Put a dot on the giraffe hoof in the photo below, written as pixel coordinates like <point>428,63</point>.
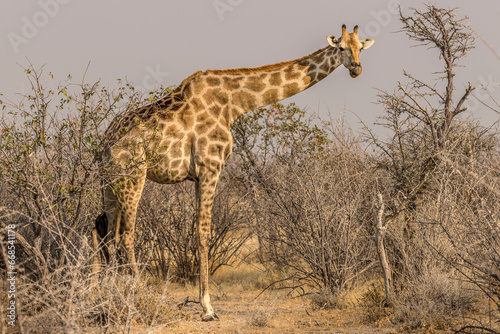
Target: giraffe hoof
<point>210,317</point>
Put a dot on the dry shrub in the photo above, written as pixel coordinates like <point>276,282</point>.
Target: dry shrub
<point>314,221</point>
<point>374,302</point>
<point>259,318</point>
<point>247,275</point>
<point>128,300</point>
<point>72,300</point>
<point>446,260</point>
<point>433,299</point>
<point>324,300</point>
<point>310,194</point>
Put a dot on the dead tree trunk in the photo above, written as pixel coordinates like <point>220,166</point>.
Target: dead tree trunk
<point>382,255</point>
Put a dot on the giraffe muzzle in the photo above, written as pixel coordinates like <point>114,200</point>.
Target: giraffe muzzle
<point>355,71</point>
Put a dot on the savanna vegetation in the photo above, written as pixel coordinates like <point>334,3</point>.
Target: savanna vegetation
<point>311,218</point>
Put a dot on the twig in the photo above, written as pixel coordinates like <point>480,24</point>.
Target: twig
<point>185,302</point>
<point>379,240</point>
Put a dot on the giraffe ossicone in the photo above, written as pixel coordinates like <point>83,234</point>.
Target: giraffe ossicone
<point>186,136</point>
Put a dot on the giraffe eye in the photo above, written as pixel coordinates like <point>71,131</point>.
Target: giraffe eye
<point>341,48</point>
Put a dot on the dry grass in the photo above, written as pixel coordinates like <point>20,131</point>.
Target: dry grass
<point>242,310</point>
<point>119,303</point>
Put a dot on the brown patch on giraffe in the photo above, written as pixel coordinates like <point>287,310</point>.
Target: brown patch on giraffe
<point>322,75</point>
<point>187,144</point>
<point>186,120</point>
<point>245,100</point>
<point>215,110</point>
<point>175,164</point>
<point>275,79</point>
<point>185,164</point>
<point>162,148</point>
<point>168,117</point>
<point>175,152</point>
<point>226,115</point>
<point>215,150</point>
<point>172,129</point>
<point>198,87</point>
<point>255,84</point>
<point>292,73</point>
<point>215,96</point>
<point>218,134</point>
<point>231,83</point>
<point>197,104</point>
<point>203,127</point>
<point>202,144</point>
<point>325,67</point>
<point>201,118</point>
<point>220,96</point>
<point>271,96</point>
<point>291,89</point>
<point>208,97</point>
<point>213,81</point>
<point>161,127</point>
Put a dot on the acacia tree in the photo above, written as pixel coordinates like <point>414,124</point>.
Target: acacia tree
<point>420,114</point>
<point>422,118</point>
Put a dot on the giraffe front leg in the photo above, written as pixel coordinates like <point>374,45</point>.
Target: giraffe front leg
<point>205,191</point>
<point>128,244</point>
<point>128,199</point>
<point>127,226</point>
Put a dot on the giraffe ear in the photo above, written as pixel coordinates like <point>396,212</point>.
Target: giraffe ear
<point>333,41</point>
<point>366,43</point>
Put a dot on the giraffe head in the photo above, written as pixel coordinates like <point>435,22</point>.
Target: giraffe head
<point>350,46</point>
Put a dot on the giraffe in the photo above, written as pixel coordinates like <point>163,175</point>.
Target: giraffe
<point>186,136</point>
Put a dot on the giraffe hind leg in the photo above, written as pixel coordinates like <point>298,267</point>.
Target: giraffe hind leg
<point>124,226</point>
<point>99,234</point>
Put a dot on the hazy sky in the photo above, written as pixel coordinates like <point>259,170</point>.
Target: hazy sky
<point>156,42</point>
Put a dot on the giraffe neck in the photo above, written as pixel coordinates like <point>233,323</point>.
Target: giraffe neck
<point>233,92</point>
<point>238,91</point>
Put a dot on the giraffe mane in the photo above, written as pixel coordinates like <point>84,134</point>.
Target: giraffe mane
<point>244,70</point>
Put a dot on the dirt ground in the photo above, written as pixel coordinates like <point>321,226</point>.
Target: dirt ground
<point>242,313</point>
<point>236,300</point>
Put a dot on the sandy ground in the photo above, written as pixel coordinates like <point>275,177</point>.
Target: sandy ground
<point>241,311</point>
